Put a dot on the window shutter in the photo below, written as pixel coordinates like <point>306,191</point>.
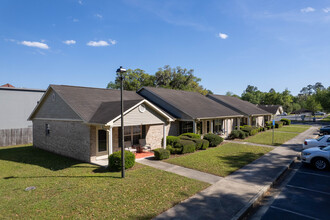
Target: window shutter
<point>119,137</point>
<point>143,131</point>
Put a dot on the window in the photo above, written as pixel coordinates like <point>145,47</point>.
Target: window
<point>47,129</point>
<point>186,127</point>
<point>217,126</point>
<point>132,134</point>
<point>102,140</point>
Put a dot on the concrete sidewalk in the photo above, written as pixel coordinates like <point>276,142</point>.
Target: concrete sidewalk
<point>190,173</point>
<point>233,195</point>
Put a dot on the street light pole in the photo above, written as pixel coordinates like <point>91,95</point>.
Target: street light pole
<point>121,70</point>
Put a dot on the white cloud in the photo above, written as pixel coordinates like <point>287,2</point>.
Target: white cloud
<point>112,42</point>
<point>99,16</point>
<point>69,42</point>
<point>326,10</point>
<point>223,36</point>
<point>35,44</point>
<point>75,20</point>
<point>306,10</point>
<point>100,43</point>
<point>80,2</point>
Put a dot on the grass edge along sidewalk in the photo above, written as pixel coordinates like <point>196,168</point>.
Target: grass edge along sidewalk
<point>279,137</point>
<point>143,194</point>
<point>221,160</point>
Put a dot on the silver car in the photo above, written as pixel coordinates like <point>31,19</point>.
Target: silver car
<point>317,156</point>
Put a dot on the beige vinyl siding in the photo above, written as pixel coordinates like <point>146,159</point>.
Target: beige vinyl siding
<point>53,106</point>
<point>135,117</point>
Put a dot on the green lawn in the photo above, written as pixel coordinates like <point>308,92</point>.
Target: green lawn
<point>66,188</point>
<point>221,160</point>
<point>266,138</point>
<point>294,128</point>
<point>327,119</point>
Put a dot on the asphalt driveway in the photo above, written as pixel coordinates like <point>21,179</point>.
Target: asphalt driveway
<point>305,196</point>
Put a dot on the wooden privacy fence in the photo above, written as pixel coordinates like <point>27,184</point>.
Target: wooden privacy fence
<point>15,136</point>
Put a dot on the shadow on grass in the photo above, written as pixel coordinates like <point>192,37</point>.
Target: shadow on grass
<point>35,156</point>
<point>36,177</point>
<point>238,161</point>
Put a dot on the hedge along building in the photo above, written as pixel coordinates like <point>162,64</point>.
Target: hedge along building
<point>193,112</point>
<point>252,114</point>
<point>83,123</point>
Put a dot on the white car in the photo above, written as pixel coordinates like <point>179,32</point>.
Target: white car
<point>319,113</point>
<point>320,142</point>
<point>317,156</point>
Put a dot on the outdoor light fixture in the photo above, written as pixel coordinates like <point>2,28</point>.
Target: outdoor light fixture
<point>121,70</point>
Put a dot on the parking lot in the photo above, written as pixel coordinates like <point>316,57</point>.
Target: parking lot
<point>306,195</point>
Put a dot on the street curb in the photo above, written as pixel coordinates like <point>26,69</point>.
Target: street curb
<point>254,201</point>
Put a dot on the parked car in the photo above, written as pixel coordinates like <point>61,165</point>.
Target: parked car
<point>317,156</point>
<point>319,113</point>
<point>325,130</point>
<point>320,142</point>
<point>284,114</point>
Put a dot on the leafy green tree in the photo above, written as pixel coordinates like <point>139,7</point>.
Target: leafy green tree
<point>312,104</point>
<point>229,93</point>
<point>166,77</point>
<point>323,96</point>
<point>134,79</point>
<point>253,95</point>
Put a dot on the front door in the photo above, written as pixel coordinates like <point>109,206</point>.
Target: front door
<point>102,141</point>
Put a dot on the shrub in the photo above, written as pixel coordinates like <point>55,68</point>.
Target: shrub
<point>173,150</point>
<point>188,148</point>
<point>286,121</point>
<point>234,134</point>
<point>250,130</point>
<point>242,134</point>
<point>185,138</point>
<point>171,140</point>
<point>161,154</point>
<point>198,143</point>
<point>213,139</point>
<point>115,160</point>
<point>205,144</point>
<point>183,146</point>
<point>269,124</point>
<point>278,124</point>
<point>191,135</point>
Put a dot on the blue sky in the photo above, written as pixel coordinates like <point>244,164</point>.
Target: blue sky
<point>230,44</point>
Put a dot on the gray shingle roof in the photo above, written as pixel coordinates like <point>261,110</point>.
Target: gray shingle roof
<point>193,104</point>
<point>237,104</point>
<point>91,104</point>
<point>269,108</point>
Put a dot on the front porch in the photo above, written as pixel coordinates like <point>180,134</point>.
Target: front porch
<point>138,139</point>
<point>219,126</point>
<point>103,160</point>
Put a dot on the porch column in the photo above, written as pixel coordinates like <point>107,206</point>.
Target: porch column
<point>211,128</point>
<point>249,120</point>
<point>164,135</point>
<point>238,123</point>
<point>110,140</point>
<point>194,126</point>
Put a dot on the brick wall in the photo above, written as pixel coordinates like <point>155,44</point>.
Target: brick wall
<point>154,135</point>
<point>71,139</point>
